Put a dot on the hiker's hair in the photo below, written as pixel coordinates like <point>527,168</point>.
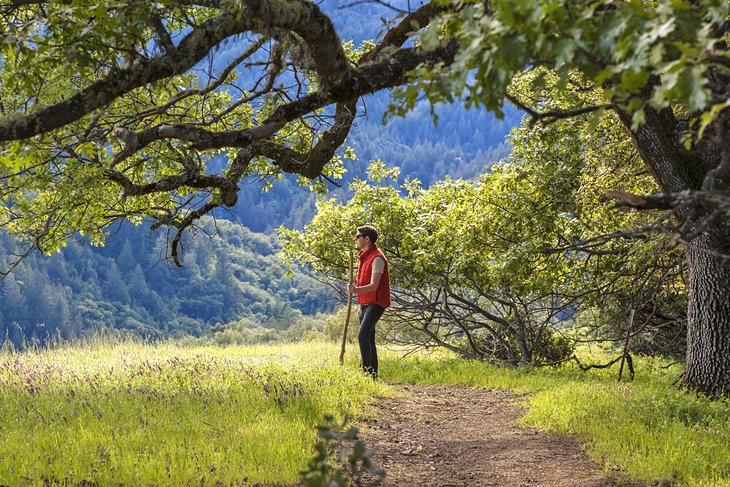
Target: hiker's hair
<point>369,231</point>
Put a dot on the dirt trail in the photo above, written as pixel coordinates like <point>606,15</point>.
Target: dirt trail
<point>458,436</point>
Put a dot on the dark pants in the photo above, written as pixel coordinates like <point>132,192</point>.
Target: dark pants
<point>369,314</point>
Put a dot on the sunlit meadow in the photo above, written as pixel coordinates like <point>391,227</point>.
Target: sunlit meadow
<point>162,414</point>
<point>135,414</point>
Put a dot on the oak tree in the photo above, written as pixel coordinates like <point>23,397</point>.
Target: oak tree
<point>663,67</point>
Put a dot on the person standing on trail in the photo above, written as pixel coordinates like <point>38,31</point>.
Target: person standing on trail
<point>373,294</point>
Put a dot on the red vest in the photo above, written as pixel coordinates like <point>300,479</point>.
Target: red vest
<point>381,296</point>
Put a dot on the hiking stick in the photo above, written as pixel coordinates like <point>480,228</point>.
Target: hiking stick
<point>625,354</point>
<point>347,318</point>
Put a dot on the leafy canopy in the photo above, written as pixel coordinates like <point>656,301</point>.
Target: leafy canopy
<point>665,47</point>
<point>138,109</point>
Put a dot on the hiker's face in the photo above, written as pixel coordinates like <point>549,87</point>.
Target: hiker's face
<point>360,240</point>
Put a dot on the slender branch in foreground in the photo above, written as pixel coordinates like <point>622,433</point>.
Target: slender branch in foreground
<point>553,116</point>
<point>586,368</point>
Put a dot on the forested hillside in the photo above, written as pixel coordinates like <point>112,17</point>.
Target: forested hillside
<point>128,285</point>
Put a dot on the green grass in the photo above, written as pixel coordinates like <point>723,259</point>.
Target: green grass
<point>133,414</point>
<point>647,428</point>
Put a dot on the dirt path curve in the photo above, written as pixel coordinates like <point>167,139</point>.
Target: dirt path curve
<point>458,436</point>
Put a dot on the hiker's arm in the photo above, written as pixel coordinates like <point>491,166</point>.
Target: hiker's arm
<point>374,281</point>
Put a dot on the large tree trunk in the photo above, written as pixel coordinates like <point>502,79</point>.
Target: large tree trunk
<point>676,169</point>
<point>708,327</point>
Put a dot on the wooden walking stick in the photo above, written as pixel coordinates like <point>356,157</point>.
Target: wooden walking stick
<point>347,318</point>
<point>625,354</point>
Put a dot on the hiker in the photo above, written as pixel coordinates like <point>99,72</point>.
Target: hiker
<point>373,294</point>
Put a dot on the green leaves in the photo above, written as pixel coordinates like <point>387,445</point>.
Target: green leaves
<point>669,45</point>
<point>340,458</point>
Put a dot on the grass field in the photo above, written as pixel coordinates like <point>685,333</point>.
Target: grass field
<point>133,414</point>
<point>140,414</point>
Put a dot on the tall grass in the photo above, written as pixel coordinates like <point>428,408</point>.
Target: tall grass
<point>135,414</point>
<point>646,428</point>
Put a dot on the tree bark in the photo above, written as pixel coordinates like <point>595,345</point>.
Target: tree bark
<point>708,328</point>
